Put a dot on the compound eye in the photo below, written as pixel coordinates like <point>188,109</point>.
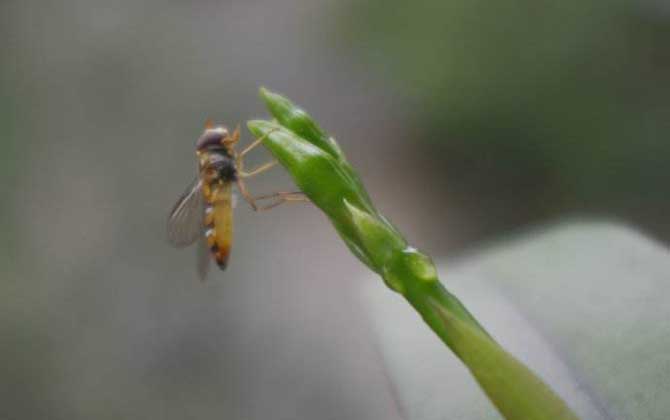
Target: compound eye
<point>212,137</point>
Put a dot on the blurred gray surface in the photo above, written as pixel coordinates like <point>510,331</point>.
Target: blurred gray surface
<point>587,306</point>
<point>101,319</point>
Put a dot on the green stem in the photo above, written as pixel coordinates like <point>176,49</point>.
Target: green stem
<point>426,297</point>
<point>321,171</point>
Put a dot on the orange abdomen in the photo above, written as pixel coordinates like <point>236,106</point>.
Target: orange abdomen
<point>219,220</point>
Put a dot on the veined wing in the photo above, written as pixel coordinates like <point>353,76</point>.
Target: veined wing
<point>185,223</point>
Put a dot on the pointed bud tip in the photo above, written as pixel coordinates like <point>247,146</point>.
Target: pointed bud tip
<point>255,126</point>
<point>261,125</point>
<point>353,210</point>
<point>271,97</point>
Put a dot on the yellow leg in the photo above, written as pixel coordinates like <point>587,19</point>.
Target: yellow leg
<point>255,143</point>
<point>257,171</point>
<point>239,161</point>
<point>245,194</point>
<point>281,197</point>
<point>250,147</point>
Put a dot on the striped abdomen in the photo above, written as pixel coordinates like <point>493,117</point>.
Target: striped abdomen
<point>219,220</point>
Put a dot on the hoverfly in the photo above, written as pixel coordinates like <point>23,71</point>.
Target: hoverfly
<point>205,211</point>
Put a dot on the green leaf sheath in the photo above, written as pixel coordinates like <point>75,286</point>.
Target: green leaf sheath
<point>321,171</point>
<point>514,389</point>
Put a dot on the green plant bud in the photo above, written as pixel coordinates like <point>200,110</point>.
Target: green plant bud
<point>315,171</point>
<point>303,125</point>
<point>298,121</point>
<point>321,171</point>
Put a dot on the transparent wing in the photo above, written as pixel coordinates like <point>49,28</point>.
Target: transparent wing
<point>203,256</point>
<point>185,223</point>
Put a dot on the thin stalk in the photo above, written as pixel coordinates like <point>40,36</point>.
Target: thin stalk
<point>320,169</point>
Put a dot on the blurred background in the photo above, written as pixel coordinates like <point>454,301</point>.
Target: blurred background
<point>467,119</point>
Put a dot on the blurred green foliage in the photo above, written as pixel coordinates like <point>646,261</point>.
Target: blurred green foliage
<point>559,105</point>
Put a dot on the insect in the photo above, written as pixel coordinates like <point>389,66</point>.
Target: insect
<point>204,212</point>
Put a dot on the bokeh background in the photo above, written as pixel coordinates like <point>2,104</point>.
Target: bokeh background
<point>467,119</point>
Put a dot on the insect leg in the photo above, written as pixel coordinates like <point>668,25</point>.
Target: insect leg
<point>281,197</point>
<point>239,161</point>
<point>245,194</point>
<point>257,171</point>
<point>255,143</point>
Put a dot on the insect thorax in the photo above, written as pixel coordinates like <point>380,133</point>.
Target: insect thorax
<point>218,165</point>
